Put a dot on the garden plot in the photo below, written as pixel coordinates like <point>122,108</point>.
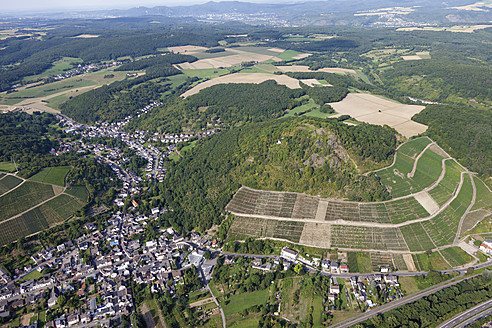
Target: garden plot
<point>380,259</point>
<point>244,78</point>
<point>399,262</point>
<point>377,110</point>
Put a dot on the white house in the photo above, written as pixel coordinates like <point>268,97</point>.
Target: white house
<point>289,254</point>
<point>486,246</point>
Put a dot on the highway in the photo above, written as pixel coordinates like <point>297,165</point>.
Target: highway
<point>469,316</point>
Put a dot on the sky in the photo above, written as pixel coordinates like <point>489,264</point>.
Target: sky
<point>27,6</point>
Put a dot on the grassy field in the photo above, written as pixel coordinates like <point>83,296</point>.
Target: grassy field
<point>34,275</point>
<point>359,262</point>
<point>448,185</point>
<point>437,262</point>
<point>8,182</point>
<point>484,196</point>
<point>395,176</point>
<point>23,198</point>
<point>239,302</point>
<point>303,109</point>
<point>456,256</point>
<point>208,73</point>
<point>288,54</point>
<point>60,66</point>
<point>52,175</point>
<point>409,285</point>
<point>421,262</point>
<point>7,166</point>
<point>78,191</point>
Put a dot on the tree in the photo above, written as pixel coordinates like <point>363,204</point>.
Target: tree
<point>207,255</point>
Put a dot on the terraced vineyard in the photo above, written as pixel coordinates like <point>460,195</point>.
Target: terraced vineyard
<point>303,207</point>
<point>426,214</point>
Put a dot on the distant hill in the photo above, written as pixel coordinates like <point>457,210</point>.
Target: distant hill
<point>337,12</point>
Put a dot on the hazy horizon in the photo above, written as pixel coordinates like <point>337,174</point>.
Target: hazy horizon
<point>26,6</point>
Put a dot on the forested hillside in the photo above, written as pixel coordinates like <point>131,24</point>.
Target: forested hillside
<point>466,133</point>
<point>223,103</point>
<point>305,155</point>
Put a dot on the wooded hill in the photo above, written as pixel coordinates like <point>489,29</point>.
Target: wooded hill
<point>297,154</point>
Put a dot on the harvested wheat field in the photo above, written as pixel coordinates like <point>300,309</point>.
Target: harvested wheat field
<point>244,78</point>
<point>187,49</point>
<point>303,68</point>
<point>239,56</point>
<point>314,82</point>
<point>377,110</point>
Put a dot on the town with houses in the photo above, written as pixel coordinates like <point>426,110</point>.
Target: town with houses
<point>99,266</point>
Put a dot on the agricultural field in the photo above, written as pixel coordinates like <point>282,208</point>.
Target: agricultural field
<point>371,238</point>
<point>401,179</point>
<point>244,78</point>
<point>244,227</point>
<point>7,167</point>
<point>416,237</point>
<point>39,218</point>
<point>302,68</point>
<point>26,224</point>
<point>484,195</point>
<point>233,57</point>
<point>304,207</point>
<point>78,191</point>
<point>60,208</point>
<point>28,195</point>
<point>442,228</point>
<point>380,111</point>
<point>8,182</point>
<point>449,184</point>
<point>52,175</point>
<point>455,256</point>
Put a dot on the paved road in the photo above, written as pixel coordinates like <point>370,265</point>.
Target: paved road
<point>469,316</point>
<point>395,304</point>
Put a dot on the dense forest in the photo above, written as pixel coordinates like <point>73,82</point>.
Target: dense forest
<point>23,136</point>
<point>159,60</point>
<point>250,103</point>
<point>466,133</point>
<point>297,154</point>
